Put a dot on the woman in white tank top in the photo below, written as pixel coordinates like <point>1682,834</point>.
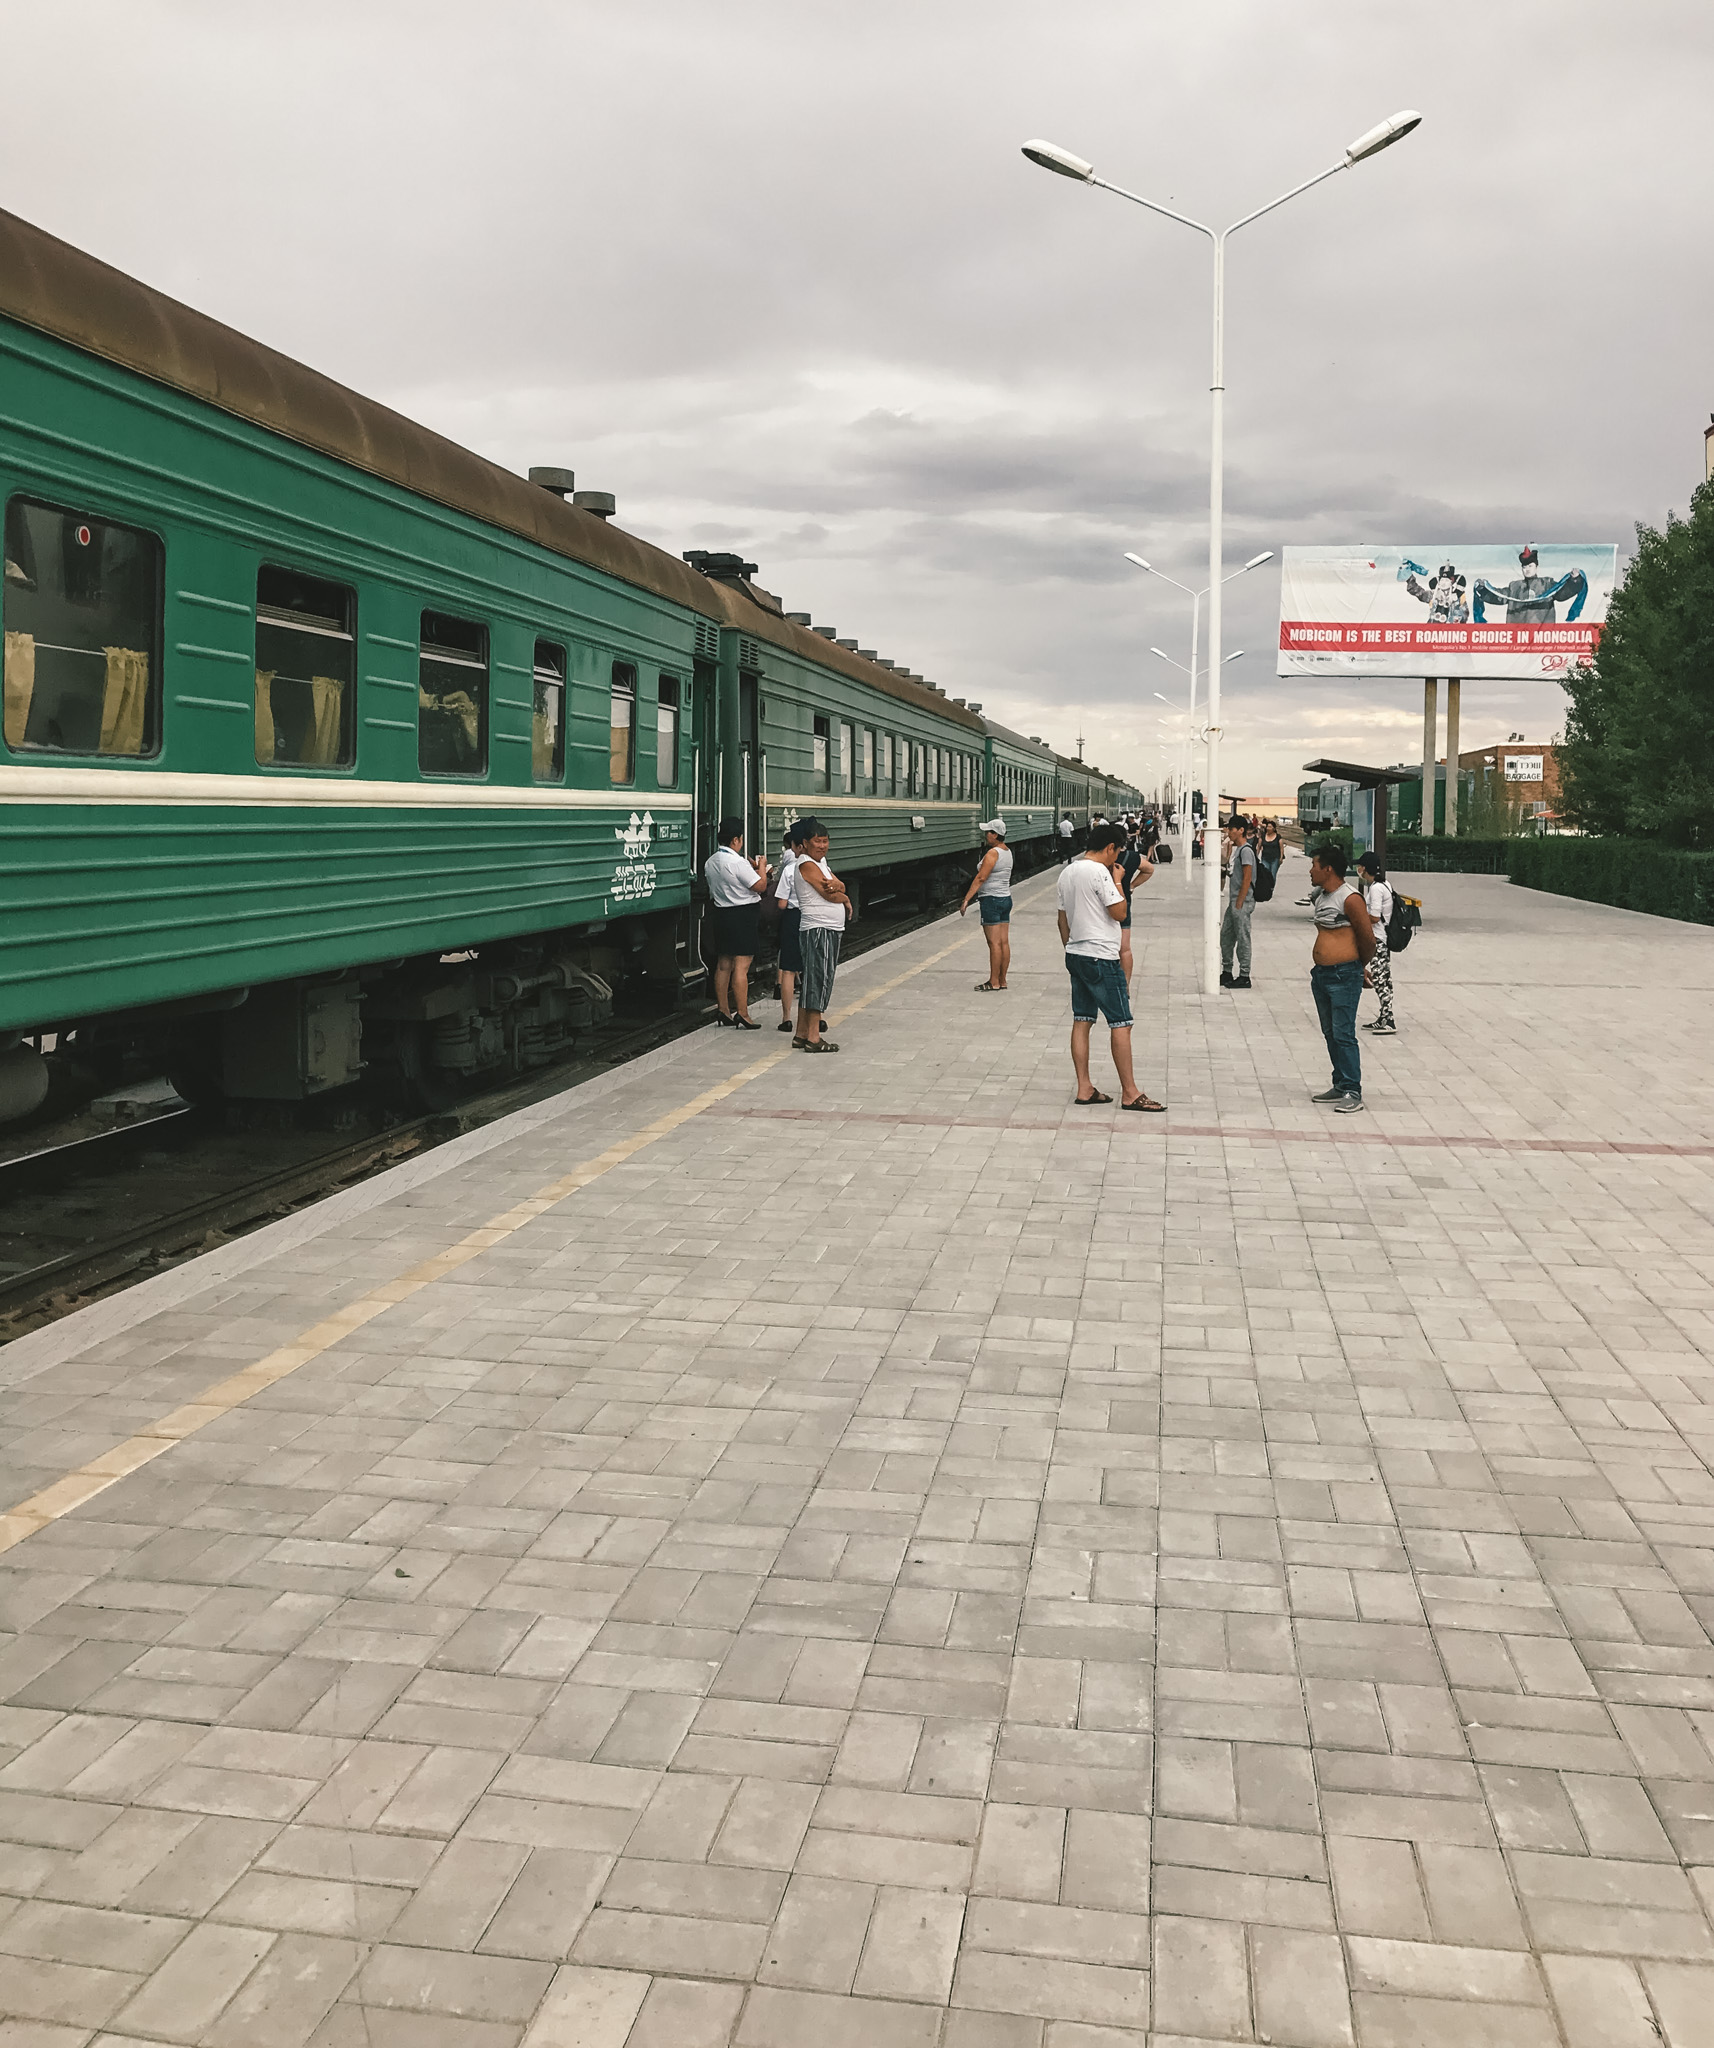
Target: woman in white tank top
<point>991,890</point>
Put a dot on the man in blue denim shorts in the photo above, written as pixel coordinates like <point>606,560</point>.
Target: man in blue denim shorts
<point>1091,909</point>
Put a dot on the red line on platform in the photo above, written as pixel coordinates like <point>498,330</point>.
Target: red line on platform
<point>1235,1133</point>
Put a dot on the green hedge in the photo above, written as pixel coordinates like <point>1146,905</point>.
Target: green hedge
<point>1408,853</point>
<point>1633,874</point>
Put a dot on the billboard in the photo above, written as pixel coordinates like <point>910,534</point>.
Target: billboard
<point>1504,609</point>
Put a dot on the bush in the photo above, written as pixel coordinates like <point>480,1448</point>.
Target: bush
<point>1633,874</point>
<point>1410,854</point>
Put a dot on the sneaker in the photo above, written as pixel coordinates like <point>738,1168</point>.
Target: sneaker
<point>1347,1103</point>
<point>1382,1030</point>
<point>1243,981</point>
<point>1329,1095</point>
<point>1306,903</point>
<point>1226,977</point>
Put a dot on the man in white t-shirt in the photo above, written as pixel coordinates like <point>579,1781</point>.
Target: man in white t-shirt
<point>1091,909</point>
<point>1065,828</point>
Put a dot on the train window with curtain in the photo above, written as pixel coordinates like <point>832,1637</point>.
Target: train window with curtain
<point>306,671</point>
<point>452,697</point>
<point>622,726</point>
<point>918,780</point>
<point>869,759</point>
<point>81,601</point>
<point>547,720</point>
<point>887,765</point>
<point>819,753</point>
<point>847,761</point>
<point>666,733</point>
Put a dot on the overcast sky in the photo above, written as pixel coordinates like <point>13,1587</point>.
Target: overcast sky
<point>776,274</point>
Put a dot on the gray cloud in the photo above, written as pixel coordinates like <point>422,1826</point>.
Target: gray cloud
<point>778,277</point>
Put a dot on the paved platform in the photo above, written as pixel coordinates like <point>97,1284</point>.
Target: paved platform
<point>859,1553</point>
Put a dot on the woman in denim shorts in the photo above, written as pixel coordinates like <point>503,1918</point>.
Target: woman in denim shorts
<point>991,892</point>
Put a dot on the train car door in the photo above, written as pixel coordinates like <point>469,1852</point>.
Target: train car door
<point>750,748</point>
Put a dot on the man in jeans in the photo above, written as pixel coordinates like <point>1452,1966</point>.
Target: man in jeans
<point>1344,944</point>
<point>1240,902</point>
<point>1091,909</point>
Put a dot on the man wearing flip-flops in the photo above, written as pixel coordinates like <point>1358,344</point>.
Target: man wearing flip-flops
<point>1092,907</point>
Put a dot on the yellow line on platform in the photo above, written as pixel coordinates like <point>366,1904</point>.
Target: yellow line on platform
<point>110,1466</point>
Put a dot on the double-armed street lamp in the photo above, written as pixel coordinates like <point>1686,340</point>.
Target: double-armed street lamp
<point>1061,161</point>
<point>1196,597</point>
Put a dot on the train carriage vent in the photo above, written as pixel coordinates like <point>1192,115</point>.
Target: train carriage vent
<point>749,655</point>
<point>707,640</point>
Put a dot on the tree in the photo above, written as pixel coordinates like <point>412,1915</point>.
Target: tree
<point>1638,754</point>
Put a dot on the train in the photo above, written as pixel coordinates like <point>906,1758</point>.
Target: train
<point>332,751</point>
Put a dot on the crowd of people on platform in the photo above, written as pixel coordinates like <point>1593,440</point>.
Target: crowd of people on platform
<point>1102,866</point>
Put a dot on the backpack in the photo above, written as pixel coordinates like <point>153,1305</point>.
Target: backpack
<point>1262,883</point>
<point>1406,918</point>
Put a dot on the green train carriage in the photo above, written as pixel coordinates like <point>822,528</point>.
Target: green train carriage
<point>1021,786</point>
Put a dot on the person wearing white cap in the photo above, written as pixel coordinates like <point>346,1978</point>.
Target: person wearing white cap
<point>991,891</point>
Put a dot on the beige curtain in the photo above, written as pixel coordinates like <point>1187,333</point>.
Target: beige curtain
<point>20,684</point>
<point>265,716</point>
<point>125,702</point>
<point>327,700</point>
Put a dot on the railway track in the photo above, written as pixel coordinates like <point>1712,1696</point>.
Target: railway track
<point>91,1216</point>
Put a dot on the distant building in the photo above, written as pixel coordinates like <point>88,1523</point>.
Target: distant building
<point>1521,772</point>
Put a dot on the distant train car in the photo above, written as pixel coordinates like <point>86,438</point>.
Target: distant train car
<point>1020,786</point>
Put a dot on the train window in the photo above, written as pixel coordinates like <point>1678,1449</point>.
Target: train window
<point>622,725</point>
<point>82,610</point>
<point>452,697</point>
<point>869,759</point>
<point>917,781</point>
<point>819,762</point>
<point>666,734</point>
<point>887,765</point>
<point>547,722</point>
<point>847,761</point>
<point>306,671</point>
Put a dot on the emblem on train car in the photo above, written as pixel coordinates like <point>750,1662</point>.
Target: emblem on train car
<point>634,878</point>
<point>636,837</point>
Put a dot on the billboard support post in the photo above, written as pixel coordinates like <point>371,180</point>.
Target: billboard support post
<point>1452,757</point>
<point>1430,719</point>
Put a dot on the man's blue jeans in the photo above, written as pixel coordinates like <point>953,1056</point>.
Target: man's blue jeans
<point>1337,991</point>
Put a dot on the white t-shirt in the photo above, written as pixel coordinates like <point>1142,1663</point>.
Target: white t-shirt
<point>1379,898</point>
<point>818,913</point>
<point>785,886</point>
<point>731,879</point>
<point>1085,890</point>
<point>1065,828</point>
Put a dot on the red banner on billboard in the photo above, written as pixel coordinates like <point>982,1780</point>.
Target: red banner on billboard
<point>1455,639</point>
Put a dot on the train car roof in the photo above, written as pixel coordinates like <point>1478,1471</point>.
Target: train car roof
<point>60,290</point>
<point>1017,739</point>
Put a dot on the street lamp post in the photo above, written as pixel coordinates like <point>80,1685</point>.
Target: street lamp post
<point>1061,161</point>
<point>1196,597</point>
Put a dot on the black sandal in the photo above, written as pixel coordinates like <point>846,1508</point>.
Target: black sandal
<point>1089,1101</point>
<point>986,988</point>
<point>1145,1102</point>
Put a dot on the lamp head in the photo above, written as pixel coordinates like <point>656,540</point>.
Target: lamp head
<point>1052,158</point>
<point>1141,564</point>
<point>1394,129</point>
<point>1161,651</point>
<point>1237,654</point>
<point>1256,561</point>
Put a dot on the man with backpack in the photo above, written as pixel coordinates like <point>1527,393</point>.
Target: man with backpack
<point>1244,878</point>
